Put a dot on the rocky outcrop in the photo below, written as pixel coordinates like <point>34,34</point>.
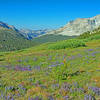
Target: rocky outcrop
<point>30,34</point>
<point>78,26</point>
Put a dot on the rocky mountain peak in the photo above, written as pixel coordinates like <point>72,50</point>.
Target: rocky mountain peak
<point>78,26</point>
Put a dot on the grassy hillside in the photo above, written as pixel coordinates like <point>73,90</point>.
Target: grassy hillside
<point>88,34</point>
<point>11,40</point>
<point>52,71</point>
<point>52,38</point>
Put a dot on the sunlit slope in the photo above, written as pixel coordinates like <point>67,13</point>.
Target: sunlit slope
<point>71,73</point>
<point>52,38</point>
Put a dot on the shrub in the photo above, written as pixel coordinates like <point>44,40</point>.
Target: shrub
<point>72,43</point>
<point>94,37</point>
<point>84,35</point>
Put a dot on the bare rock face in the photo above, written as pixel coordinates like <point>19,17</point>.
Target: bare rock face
<point>30,34</point>
<point>78,26</point>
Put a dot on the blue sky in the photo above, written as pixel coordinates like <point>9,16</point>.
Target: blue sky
<point>37,14</point>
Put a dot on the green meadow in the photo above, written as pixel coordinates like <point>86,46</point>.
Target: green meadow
<point>63,70</point>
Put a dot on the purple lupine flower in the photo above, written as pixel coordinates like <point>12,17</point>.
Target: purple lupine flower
<point>89,97</point>
<point>93,54</point>
<point>50,58</point>
<point>62,63</point>
<point>12,98</point>
<point>35,59</point>
<point>20,85</point>
<point>71,90</point>
<point>50,98</point>
<point>18,94</point>
<point>96,90</point>
<point>90,49</point>
<point>10,87</point>
<point>75,84</point>
<point>66,86</point>
<point>19,61</point>
<point>37,98</point>
<point>55,86</point>
<point>19,68</point>
<point>66,97</point>
<point>29,98</point>
<point>5,89</point>
<point>43,86</point>
<point>81,90</point>
<point>37,67</point>
<point>79,55</point>
<point>87,61</point>
<point>8,97</point>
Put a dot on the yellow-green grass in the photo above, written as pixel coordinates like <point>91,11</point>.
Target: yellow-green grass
<point>81,69</point>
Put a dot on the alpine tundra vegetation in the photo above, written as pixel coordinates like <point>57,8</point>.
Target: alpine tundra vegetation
<point>63,70</point>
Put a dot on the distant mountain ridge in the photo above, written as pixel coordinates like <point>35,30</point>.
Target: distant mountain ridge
<point>6,26</point>
<point>78,26</point>
<point>27,33</point>
<point>30,34</point>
